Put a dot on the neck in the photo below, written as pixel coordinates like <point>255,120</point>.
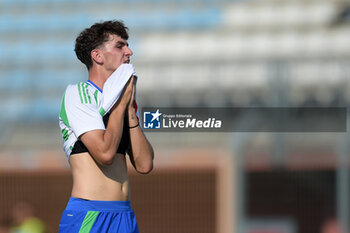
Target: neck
<point>99,76</point>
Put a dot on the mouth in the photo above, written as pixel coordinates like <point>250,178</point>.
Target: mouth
<point>127,62</point>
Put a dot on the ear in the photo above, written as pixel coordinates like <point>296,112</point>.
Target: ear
<point>97,56</point>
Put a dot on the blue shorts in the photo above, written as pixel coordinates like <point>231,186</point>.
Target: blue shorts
<point>84,216</point>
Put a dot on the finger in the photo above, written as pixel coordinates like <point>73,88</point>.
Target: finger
<point>131,102</point>
<point>133,93</point>
<point>132,80</point>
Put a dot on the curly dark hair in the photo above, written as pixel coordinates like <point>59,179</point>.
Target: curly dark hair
<point>95,36</point>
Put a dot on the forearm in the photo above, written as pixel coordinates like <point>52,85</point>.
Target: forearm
<point>103,144</point>
<point>113,133</point>
<point>141,149</point>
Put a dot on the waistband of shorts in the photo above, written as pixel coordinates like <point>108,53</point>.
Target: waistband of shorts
<point>92,205</point>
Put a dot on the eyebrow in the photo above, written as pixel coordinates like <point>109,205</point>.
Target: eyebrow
<point>121,43</point>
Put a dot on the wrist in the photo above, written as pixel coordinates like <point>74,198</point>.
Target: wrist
<point>131,109</point>
<point>131,127</point>
<point>133,120</point>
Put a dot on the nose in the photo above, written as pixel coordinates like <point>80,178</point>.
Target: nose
<point>128,51</point>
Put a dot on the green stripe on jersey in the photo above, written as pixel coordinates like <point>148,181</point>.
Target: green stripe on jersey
<point>88,222</point>
<point>102,111</point>
<point>95,95</point>
<point>65,135</point>
<point>82,86</point>
<point>81,97</point>
<point>63,113</point>
<point>87,92</point>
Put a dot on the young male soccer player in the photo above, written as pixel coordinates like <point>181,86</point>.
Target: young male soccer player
<point>99,124</point>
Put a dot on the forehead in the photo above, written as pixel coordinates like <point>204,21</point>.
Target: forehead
<point>113,38</point>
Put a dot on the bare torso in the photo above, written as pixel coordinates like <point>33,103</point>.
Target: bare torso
<point>97,182</point>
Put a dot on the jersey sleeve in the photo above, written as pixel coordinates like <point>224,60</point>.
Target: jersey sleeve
<point>83,115</point>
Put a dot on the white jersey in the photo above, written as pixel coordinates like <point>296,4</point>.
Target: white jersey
<point>84,105</point>
<point>79,113</point>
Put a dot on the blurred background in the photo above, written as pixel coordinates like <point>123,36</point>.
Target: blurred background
<point>187,53</point>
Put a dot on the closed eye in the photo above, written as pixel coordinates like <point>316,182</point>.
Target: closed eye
<point>121,44</point>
